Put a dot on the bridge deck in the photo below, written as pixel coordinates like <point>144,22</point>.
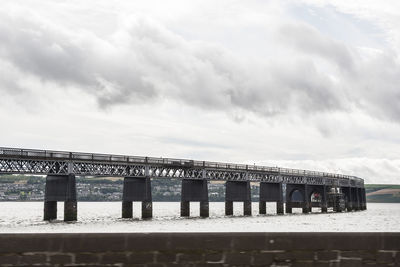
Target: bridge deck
<point>30,161</point>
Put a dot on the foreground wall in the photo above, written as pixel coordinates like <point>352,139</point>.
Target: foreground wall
<point>201,249</point>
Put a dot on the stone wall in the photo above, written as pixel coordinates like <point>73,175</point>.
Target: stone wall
<point>201,249</point>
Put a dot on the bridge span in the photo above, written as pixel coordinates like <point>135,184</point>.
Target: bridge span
<point>289,188</point>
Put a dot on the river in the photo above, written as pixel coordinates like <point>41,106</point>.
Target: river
<point>26,217</point>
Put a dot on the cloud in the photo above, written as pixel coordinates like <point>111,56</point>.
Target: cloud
<point>307,39</point>
<point>143,61</point>
<point>373,170</point>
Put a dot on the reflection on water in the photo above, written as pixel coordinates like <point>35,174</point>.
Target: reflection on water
<point>105,217</point>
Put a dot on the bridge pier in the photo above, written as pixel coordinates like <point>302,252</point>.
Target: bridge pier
<point>70,211</point>
<point>60,188</point>
<point>355,200</point>
<point>237,191</point>
<point>364,199</point>
<point>296,198</point>
<point>360,198</point>
<point>204,209</point>
<point>338,201</point>
<point>247,208</point>
<point>50,210</point>
<point>262,207</point>
<point>194,190</point>
<point>322,192</point>
<point>348,198</point>
<point>137,189</point>
<point>271,192</point>
<point>127,209</point>
<point>228,207</point>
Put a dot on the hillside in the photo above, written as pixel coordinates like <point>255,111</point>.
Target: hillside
<point>383,193</point>
<point>30,187</point>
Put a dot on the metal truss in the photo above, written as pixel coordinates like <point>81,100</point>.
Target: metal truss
<point>23,161</point>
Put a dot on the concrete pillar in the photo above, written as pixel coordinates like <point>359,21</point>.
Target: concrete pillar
<point>349,199</point>
<point>70,211</point>
<point>262,207</point>
<point>194,190</point>
<point>228,207</point>
<point>238,191</point>
<point>324,207</point>
<point>185,208</point>
<point>306,207</point>
<point>349,206</point>
<point>324,200</point>
<point>288,208</point>
<point>60,188</point>
<point>356,200</point>
<point>137,189</point>
<point>247,208</point>
<point>337,207</point>
<point>365,198</point>
<point>307,201</point>
<point>127,209</point>
<point>147,209</point>
<point>50,210</point>
<point>271,192</point>
<point>204,209</point>
<point>279,207</point>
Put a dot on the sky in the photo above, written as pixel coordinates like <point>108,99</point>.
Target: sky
<point>301,84</point>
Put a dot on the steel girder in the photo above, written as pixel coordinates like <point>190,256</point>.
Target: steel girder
<point>90,168</point>
<point>43,162</point>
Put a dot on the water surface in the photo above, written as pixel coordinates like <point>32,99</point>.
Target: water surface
<point>25,217</point>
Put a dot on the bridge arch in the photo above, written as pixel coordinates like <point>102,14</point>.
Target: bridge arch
<point>315,195</point>
<point>296,195</point>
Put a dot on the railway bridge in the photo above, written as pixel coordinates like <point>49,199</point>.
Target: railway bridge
<point>303,189</point>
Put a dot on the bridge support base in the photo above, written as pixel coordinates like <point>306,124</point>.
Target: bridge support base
<point>247,208</point>
<point>194,190</point>
<point>271,192</point>
<point>127,209</point>
<point>349,207</point>
<point>337,207</point>
<point>228,208</point>
<point>70,211</point>
<point>147,209</point>
<point>324,208</point>
<point>204,209</point>
<point>288,208</point>
<point>236,191</point>
<point>306,209</point>
<point>279,208</point>
<point>262,207</point>
<point>137,189</point>
<point>50,210</point>
<point>60,188</point>
<point>185,208</point>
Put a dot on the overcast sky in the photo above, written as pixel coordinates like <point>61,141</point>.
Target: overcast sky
<point>303,84</point>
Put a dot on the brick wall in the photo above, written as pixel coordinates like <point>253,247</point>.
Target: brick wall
<point>201,249</point>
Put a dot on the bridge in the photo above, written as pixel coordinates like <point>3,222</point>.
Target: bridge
<point>303,189</point>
